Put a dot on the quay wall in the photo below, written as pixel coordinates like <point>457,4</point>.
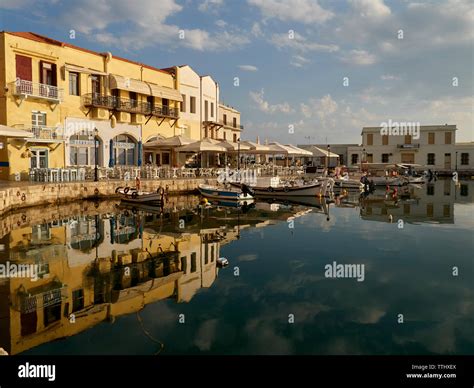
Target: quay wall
<point>21,195</point>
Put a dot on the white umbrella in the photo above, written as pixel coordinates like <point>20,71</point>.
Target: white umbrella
<point>299,151</point>
<point>174,141</point>
<point>201,146</point>
<point>234,146</point>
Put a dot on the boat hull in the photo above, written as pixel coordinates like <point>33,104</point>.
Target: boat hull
<point>298,191</point>
<point>223,194</point>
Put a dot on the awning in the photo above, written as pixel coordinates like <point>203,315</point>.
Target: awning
<point>132,85</point>
<point>175,141</point>
<point>84,70</point>
<point>318,152</point>
<point>201,146</point>
<point>234,146</point>
<point>14,132</point>
<point>256,147</point>
<point>164,92</point>
<point>142,87</point>
<point>299,151</point>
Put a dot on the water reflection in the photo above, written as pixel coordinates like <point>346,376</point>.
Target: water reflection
<point>99,262</point>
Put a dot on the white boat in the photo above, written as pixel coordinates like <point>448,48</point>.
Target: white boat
<point>388,180</point>
<point>131,194</point>
<point>222,262</point>
<point>224,193</point>
<point>346,183</point>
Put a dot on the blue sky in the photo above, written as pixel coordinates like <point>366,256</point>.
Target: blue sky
<point>291,56</point>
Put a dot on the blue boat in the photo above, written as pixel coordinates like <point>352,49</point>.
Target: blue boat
<point>223,193</point>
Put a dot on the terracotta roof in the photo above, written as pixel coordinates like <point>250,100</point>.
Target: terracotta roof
<point>44,39</point>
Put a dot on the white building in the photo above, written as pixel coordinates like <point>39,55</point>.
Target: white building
<point>430,145</point>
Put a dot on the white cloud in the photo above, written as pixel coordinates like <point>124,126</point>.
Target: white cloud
<point>374,9</point>
<point>221,23</point>
<point>299,61</point>
<point>302,11</point>
<point>256,30</point>
<point>210,5</point>
<point>389,77</point>
<point>300,43</point>
<point>359,57</point>
<point>322,108</point>
<point>145,27</point>
<point>265,106</point>
<point>248,68</point>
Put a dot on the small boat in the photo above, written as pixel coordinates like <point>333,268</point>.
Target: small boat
<point>222,262</point>
<point>349,184</point>
<point>388,180</point>
<point>132,194</point>
<point>300,190</point>
<point>224,193</point>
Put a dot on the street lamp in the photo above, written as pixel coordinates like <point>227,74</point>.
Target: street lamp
<point>238,154</point>
<point>329,152</point>
<point>96,148</point>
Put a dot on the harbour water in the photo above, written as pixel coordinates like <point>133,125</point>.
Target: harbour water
<point>115,280</point>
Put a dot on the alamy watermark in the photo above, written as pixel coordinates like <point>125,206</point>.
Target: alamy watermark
<point>247,176</point>
<point>395,128</point>
<point>13,270</point>
<point>345,271</point>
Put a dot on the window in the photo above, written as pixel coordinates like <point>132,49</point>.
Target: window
<point>464,158</point>
<point>74,84</point>
<point>235,138</point>
<point>23,68</point>
<point>225,135</point>
<point>39,158</point>
<point>48,74</point>
<point>370,139</point>
<point>447,138</point>
<point>184,264</point>
<point>212,109</point>
<point>234,122</point>
<point>370,158</point>
<point>206,110</point>
<point>82,150</point>
<point>192,102</point>
<point>166,158</point>
<point>407,139</point>
<point>124,150</point>
<point>95,83</point>
<point>193,262</point>
<point>355,158</point>
<point>77,300</point>
<point>431,138</point>
<point>430,159</point>
<point>206,254</point>
<point>430,190</point>
<point>446,211</point>
<point>447,187</point>
<point>429,210</point>
<point>225,119</point>
<point>183,103</point>
<point>384,158</point>
<point>38,119</point>
<point>464,190</point>
<point>150,101</point>
<point>212,254</point>
<point>133,99</point>
<point>384,139</point>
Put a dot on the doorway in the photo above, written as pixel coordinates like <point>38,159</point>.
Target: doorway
<point>408,158</point>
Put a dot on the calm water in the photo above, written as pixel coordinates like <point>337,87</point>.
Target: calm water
<point>93,263</point>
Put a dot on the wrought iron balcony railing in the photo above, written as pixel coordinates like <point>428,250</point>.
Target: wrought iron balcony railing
<point>128,105</point>
<point>27,89</point>
<point>408,146</point>
<point>229,124</point>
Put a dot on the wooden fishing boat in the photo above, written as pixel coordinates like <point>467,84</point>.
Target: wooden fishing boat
<point>224,193</point>
<point>132,194</point>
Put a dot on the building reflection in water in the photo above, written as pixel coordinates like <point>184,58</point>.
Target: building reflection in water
<point>431,202</point>
<point>103,262</point>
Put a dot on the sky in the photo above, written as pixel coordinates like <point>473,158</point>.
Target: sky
<point>299,71</point>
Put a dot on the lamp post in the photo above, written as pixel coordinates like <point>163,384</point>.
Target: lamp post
<point>96,149</point>
<point>238,154</point>
<point>329,152</point>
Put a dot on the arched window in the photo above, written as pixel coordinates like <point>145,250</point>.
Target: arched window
<point>83,149</point>
<point>125,149</point>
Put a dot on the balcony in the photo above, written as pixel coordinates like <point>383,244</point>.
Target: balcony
<point>46,133</point>
<point>126,105</point>
<point>26,89</point>
<point>231,125</point>
<point>408,146</point>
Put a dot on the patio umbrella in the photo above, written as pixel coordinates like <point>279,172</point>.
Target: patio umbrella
<point>174,141</point>
<point>234,146</point>
<point>299,151</point>
<point>201,146</point>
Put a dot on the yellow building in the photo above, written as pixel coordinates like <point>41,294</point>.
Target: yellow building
<point>229,117</point>
<point>75,104</point>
